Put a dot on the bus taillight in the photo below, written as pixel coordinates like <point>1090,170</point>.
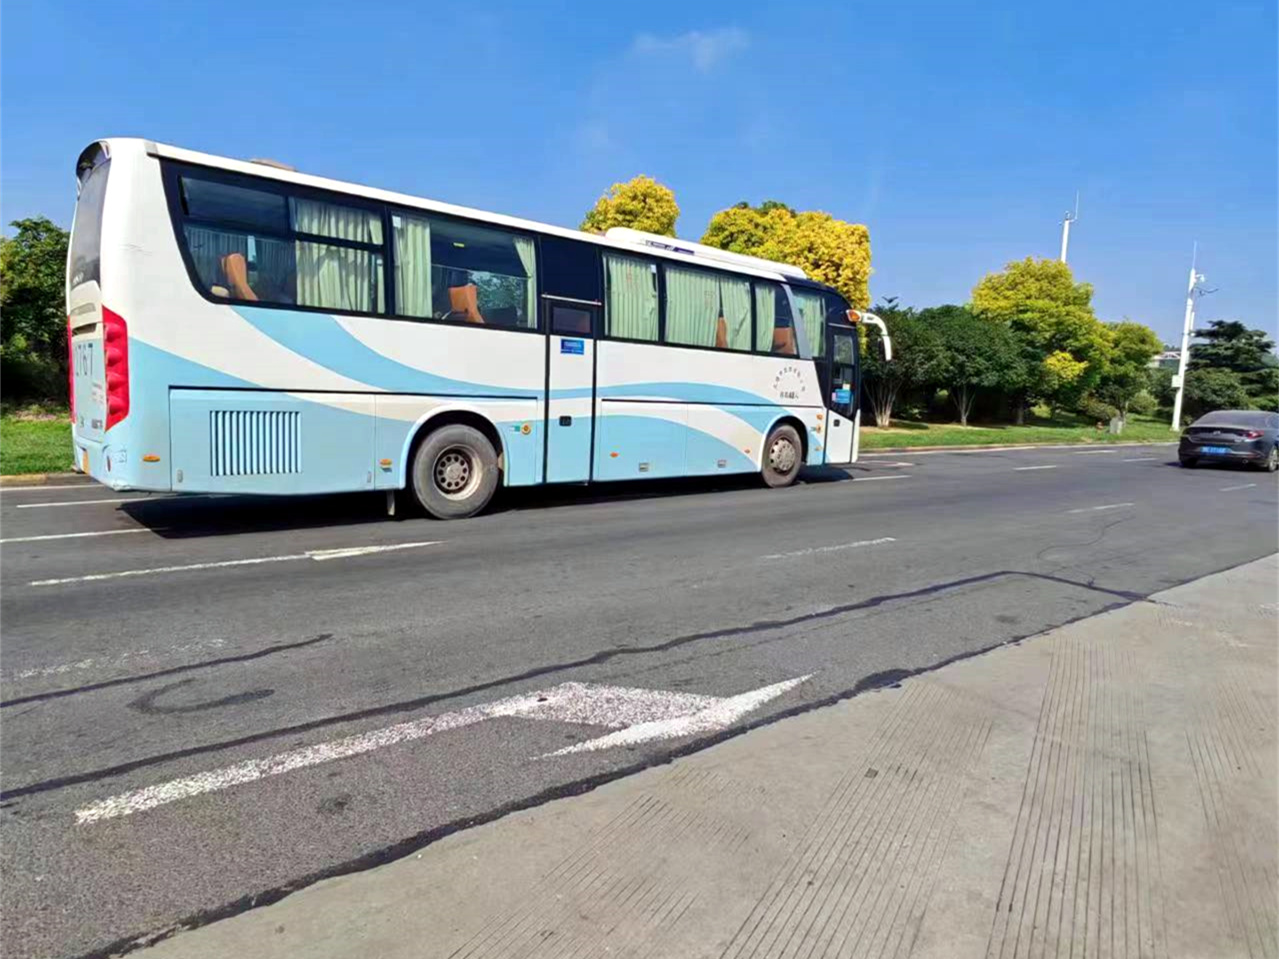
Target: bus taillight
<point>115,350</point>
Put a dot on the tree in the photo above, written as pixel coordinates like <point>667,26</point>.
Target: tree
<point>1212,389</point>
<point>640,203</point>
<point>916,362</point>
<point>1229,345</point>
<point>33,337</point>
<point>1041,302</point>
<point>974,355</point>
<point>1132,346</point>
<point>830,250</point>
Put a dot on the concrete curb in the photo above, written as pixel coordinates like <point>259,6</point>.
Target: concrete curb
<point>41,479</point>
<point>899,450</point>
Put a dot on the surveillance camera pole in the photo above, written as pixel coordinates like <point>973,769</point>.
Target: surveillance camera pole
<point>1187,327</point>
<point>1068,219</point>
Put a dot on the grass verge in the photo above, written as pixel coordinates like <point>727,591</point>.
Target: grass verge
<point>34,443</point>
<point>1139,429</point>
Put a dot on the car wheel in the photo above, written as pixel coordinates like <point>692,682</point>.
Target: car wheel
<point>1272,461</point>
<point>455,472</point>
<point>783,456</point>
<point>1189,462</point>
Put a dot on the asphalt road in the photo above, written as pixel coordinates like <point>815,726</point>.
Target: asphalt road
<point>220,699</point>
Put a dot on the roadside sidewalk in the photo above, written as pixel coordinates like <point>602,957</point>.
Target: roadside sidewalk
<point>1105,789</point>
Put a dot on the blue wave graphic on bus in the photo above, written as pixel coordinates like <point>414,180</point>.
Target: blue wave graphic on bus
<point>322,339</point>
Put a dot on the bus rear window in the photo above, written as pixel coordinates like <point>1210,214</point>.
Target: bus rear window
<point>86,230</point>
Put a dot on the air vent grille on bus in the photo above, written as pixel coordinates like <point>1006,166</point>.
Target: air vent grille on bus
<point>254,442</point>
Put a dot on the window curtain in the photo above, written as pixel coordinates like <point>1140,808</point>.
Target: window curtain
<point>765,316</point>
<point>632,297</point>
<point>276,270</point>
<point>527,254</point>
<point>735,304</point>
<point>208,247</point>
<point>412,265</point>
<point>692,306</point>
<point>812,313</point>
<point>337,277</point>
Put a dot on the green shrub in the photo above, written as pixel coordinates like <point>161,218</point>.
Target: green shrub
<point>1091,408</point>
<point>1143,404</point>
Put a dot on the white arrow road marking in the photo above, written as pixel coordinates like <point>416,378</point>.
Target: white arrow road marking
<point>316,554</point>
<point>653,714</point>
<point>716,716</point>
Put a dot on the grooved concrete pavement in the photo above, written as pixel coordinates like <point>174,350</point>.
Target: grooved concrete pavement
<point>1105,789</point>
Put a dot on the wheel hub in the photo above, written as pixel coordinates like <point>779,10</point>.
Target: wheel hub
<point>454,472</point>
<point>781,455</point>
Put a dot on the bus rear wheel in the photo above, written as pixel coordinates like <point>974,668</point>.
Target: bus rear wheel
<point>783,456</point>
<point>455,472</point>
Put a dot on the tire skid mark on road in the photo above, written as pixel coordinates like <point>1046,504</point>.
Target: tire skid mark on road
<point>171,671</point>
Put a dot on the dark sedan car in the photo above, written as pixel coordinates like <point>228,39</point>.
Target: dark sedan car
<point>1232,436</point>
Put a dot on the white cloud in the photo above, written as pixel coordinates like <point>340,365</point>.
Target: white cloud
<point>705,48</point>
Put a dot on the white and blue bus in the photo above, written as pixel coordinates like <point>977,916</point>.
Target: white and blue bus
<point>238,327</point>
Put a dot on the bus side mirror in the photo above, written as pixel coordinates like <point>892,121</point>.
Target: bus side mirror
<point>873,320</point>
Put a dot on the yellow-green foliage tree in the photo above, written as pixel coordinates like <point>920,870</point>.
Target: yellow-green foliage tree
<point>640,203</point>
<point>833,251</point>
<point>1066,345</point>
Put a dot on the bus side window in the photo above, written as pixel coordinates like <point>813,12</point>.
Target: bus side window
<point>774,326</point>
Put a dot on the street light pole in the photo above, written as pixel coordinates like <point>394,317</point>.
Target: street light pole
<point>1068,219</point>
<point>1187,327</point>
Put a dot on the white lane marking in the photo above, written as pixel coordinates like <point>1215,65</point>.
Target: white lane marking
<point>316,554</point>
<point>19,489</point>
<point>1231,489</point>
<point>615,707</point>
<point>871,479</point>
<point>722,713</point>
<point>112,661</point>
<point>1093,509</point>
<point>896,464</point>
<point>1022,469</point>
<point>1086,452</point>
<point>94,502</point>
<point>101,532</point>
<point>1138,459</point>
<point>345,552</point>
<point>830,549</point>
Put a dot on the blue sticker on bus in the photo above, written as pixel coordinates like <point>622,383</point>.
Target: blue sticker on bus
<point>843,396</point>
<point>577,347</point>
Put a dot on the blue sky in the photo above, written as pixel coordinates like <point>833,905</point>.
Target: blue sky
<point>957,132</point>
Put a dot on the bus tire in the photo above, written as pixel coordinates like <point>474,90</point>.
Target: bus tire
<point>455,472</point>
<point>783,456</point>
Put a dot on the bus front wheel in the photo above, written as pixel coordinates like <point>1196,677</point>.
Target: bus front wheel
<point>455,472</point>
<point>783,456</point>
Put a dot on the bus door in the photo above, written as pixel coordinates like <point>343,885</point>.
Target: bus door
<point>842,388</point>
<point>570,387</point>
